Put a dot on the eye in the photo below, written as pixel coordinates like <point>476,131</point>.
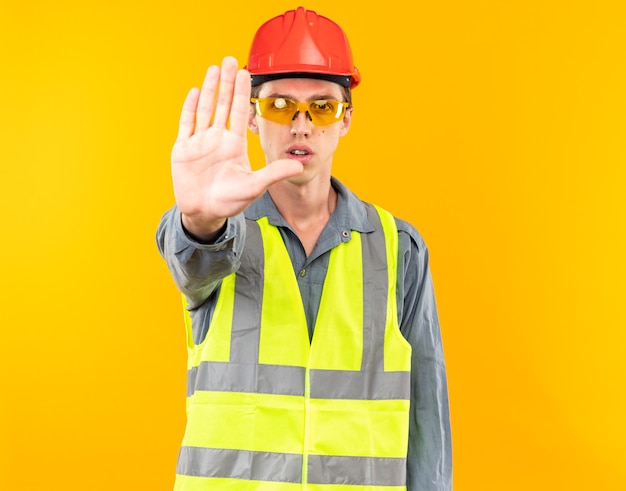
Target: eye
<point>322,106</point>
<point>280,103</point>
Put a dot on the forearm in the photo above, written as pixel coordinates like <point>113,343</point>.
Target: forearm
<point>429,465</point>
<point>196,267</point>
<point>430,445</point>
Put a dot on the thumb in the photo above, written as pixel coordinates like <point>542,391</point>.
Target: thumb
<point>278,171</point>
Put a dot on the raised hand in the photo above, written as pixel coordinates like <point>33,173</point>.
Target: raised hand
<point>211,170</point>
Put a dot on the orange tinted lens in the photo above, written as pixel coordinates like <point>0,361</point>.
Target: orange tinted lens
<point>281,110</point>
<point>327,111</point>
<point>278,110</point>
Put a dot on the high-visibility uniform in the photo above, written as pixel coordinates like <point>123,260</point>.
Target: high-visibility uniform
<point>267,408</point>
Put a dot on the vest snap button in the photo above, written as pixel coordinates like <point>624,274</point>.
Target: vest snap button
<point>345,234</point>
<point>303,273</point>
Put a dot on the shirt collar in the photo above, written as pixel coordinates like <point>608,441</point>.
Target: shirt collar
<point>349,214</point>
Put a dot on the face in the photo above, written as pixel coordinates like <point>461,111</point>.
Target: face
<point>301,140</point>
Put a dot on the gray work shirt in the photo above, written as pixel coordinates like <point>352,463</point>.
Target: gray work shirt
<point>198,268</point>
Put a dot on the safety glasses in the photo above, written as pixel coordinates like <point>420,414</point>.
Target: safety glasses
<point>282,110</point>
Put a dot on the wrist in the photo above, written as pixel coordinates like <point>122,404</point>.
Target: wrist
<point>205,232</point>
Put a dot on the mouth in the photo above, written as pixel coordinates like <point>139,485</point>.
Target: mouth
<point>300,152</point>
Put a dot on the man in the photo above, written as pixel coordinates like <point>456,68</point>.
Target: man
<point>315,357</point>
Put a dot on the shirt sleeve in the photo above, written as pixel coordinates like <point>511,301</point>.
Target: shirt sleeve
<point>198,268</point>
<point>429,464</point>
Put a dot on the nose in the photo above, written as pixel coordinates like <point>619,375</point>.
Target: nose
<point>301,124</point>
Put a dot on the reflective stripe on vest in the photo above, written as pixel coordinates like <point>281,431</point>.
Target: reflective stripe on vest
<point>270,410</point>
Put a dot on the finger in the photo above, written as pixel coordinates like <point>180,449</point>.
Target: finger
<point>188,115</point>
<point>206,104</point>
<point>278,170</point>
<point>240,110</point>
<point>225,94</point>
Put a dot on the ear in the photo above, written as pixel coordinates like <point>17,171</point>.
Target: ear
<point>347,121</point>
<point>252,125</point>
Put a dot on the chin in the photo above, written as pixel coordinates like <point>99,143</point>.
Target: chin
<point>300,180</point>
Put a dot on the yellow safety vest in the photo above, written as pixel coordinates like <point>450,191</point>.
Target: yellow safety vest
<point>269,410</point>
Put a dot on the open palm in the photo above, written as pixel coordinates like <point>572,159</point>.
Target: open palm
<point>211,170</point>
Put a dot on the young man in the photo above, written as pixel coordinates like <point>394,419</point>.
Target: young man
<point>315,357</point>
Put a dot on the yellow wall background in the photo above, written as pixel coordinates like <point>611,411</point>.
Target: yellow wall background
<point>496,127</point>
